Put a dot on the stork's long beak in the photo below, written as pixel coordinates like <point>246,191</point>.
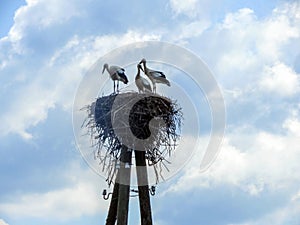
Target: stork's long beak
<point>103,69</point>
<point>140,62</point>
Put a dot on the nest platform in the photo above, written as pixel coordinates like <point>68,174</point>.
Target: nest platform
<point>117,119</point>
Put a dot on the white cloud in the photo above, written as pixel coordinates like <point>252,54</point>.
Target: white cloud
<point>240,47</point>
<point>280,79</point>
<point>194,9</point>
<point>296,197</point>
<point>63,204</point>
<point>287,214</point>
<point>38,16</point>
<point>27,110</point>
<point>242,17</point>
<point>292,125</point>
<point>87,50</point>
<point>83,198</point>
<point>41,14</point>
<point>189,30</point>
<point>277,31</point>
<point>2,222</point>
<point>187,7</point>
<point>251,162</point>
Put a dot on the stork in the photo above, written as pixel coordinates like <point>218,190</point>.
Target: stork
<point>142,84</point>
<point>116,73</point>
<point>154,75</point>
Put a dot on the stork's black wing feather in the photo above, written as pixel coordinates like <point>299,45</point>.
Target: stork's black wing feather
<point>123,76</point>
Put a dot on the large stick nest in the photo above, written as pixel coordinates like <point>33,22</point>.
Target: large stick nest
<point>138,121</point>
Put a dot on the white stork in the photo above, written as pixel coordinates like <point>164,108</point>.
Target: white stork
<point>142,84</point>
<point>116,73</point>
<point>154,75</point>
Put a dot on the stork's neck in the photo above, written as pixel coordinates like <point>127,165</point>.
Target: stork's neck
<point>106,68</point>
<point>145,67</point>
<point>138,74</point>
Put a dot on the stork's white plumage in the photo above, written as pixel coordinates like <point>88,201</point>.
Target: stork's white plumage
<point>142,84</point>
<point>116,73</point>
<point>154,75</point>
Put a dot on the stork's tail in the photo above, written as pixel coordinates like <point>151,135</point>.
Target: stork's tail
<point>168,83</point>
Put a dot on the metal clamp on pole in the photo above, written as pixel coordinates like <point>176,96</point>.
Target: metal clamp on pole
<point>152,190</point>
<point>105,195</point>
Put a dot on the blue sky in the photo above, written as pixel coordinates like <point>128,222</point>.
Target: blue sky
<point>253,50</point>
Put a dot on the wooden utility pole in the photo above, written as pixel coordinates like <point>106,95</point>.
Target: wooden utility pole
<point>142,178</point>
<point>118,209</point>
<point>124,186</point>
<point>113,208</point>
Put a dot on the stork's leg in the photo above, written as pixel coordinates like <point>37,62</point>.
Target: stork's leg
<point>118,86</point>
<point>154,88</point>
<point>114,86</point>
